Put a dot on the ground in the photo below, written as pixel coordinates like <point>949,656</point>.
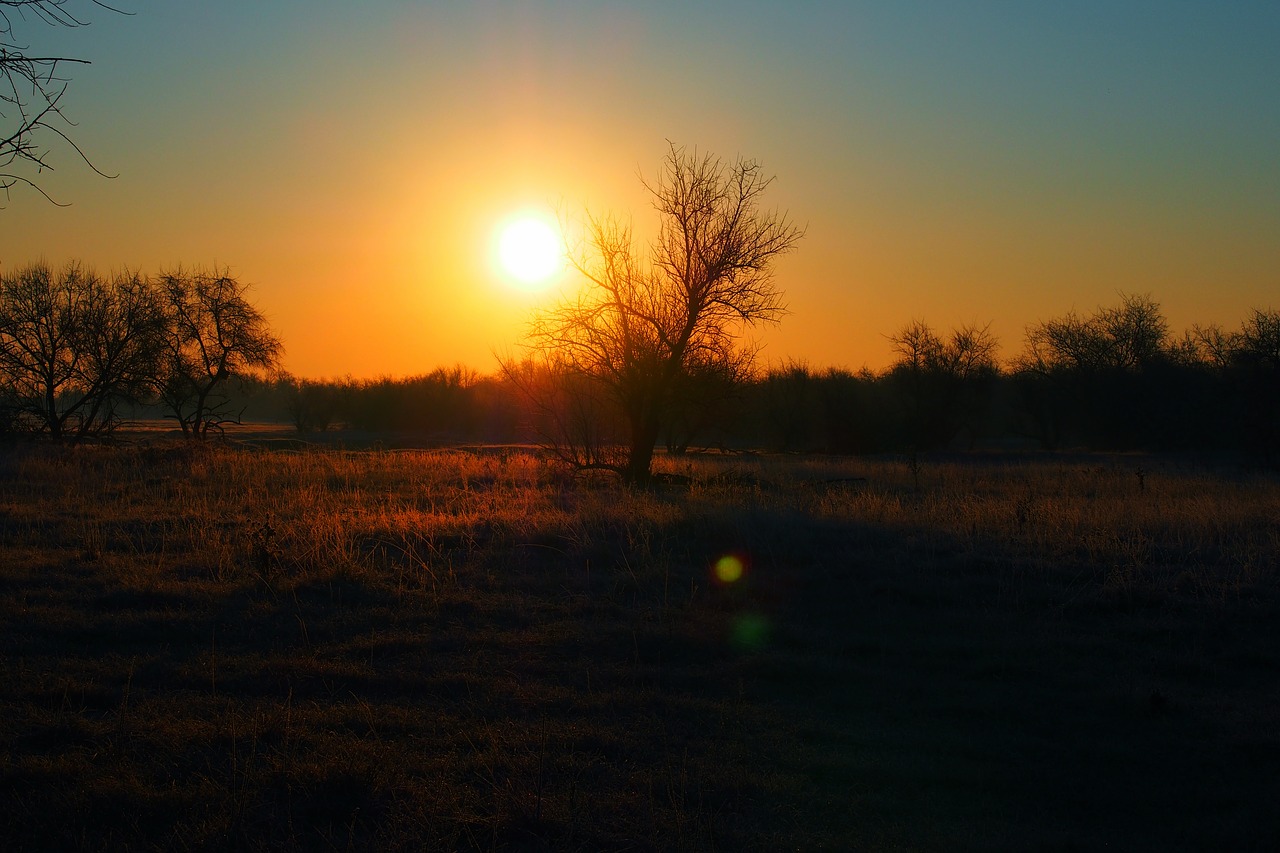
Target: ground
<point>301,648</point>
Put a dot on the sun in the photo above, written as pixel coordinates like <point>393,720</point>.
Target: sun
<point>529,250</point>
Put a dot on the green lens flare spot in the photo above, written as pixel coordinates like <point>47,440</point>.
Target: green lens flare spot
<point>750,631</point>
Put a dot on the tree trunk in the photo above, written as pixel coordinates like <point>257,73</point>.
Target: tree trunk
<point>644,437</point>
<point>50,413</point>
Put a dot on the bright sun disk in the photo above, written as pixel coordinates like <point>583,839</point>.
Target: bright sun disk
<point>529,251</point>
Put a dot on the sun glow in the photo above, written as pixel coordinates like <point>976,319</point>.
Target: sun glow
<point>529,250</point>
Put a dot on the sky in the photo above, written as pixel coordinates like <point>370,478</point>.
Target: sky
<point>954,162</point>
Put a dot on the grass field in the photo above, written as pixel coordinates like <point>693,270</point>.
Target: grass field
<point>211,648</point>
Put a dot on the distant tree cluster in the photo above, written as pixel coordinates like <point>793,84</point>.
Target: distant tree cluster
<point>447,405</point>
<point>79,350</point>
<point>1116,379</point>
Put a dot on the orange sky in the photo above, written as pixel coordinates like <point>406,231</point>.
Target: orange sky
<point>975,164</point>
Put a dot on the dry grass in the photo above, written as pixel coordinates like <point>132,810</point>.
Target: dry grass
<point>209,649</point>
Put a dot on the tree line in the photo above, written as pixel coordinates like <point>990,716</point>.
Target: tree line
<point>1117,379</point>
<point>80,354</point>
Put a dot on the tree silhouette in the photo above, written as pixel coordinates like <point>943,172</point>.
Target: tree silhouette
<point>1130,335</point>
<point>31,92</point>
<point>213,334</point>
<point>1093,377</point>
<point>647,329</point>
<point>944,384</point>
<point>1255,363</point>
<point>74,345</point>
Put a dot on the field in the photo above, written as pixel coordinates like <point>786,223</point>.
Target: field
<point>218,648</point>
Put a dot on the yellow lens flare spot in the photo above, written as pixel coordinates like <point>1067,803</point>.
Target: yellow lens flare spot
<point>529,251</point>
<point>729,569</point>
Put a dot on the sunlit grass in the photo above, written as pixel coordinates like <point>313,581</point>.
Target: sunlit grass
<point>207,647</point>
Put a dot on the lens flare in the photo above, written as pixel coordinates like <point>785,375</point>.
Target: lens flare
<point>729,569</point>
<point>750,631</point>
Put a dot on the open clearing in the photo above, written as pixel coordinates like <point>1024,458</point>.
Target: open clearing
<point>210,648</point>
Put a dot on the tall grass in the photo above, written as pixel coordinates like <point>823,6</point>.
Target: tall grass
<point>208,647</point>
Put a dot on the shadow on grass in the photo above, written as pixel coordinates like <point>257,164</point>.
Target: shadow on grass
<point>530,668</point>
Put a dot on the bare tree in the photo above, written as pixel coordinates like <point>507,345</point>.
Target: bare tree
<point>1255,362</point>
<point>1092,376</point>
<point>73,346</point>
<point>213,334</point>
<point>1258,342</point>
<point>1129,336</point>
<point>645,327</point>
<point>918,346</point>
<point>945,384</point>
<point>31,92</point>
